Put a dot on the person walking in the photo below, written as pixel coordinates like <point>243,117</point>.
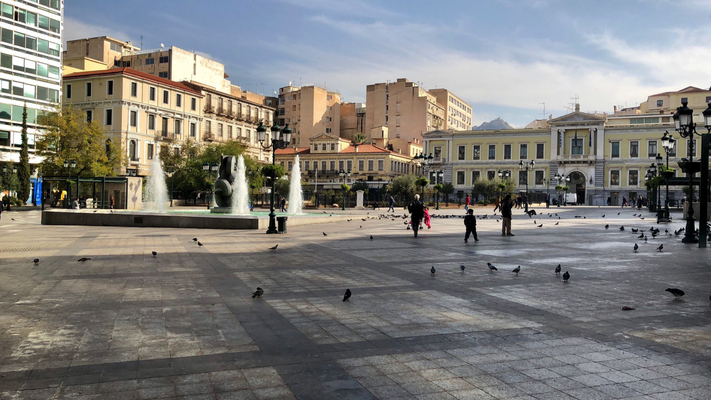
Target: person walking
<point>470,224</point>
<point>392,204</point>
<point>548,201</point>
<point>282,203</point>
<point>111,202</point>
<point>497,203</point>
<point>427,218</point>
<point>624,201</point>
<point>466,203</point>
<point>417,211</point>
<point>506,217</point>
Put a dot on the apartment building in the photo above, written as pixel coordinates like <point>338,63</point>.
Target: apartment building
<point>407,110</point>
<point>457,113</point>
<point>309,111</point>
<point>352,120</point>
<point>94,54</point>
<point>30,65</point>
<point>140,111</point>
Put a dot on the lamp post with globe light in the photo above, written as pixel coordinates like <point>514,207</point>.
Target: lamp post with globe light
<point>280,139</point>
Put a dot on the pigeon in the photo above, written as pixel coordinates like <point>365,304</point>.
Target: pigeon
<point>154,254</point>
<point>661,246</point>
<point>641,236</point>
<point>557,223</point>
<point>361,227</point>
<point>603,215</point>
<point>433,270</point>
<point>566,276</point>
<point>462,267</point>
<point>625,308</point>
<point>194,239</point>
<point>557,269</point>
<point>274,248</point>
<point>84,259</point>
<point>12,219</point>
<point>676,292</point>
<point>347,296</point>
<point>371,237</point>
<point>645,239</point>
<point>36,260</point>
<point>618,213</point>
<point>635,230</point>
<point>491,267</point>
<point>607,226</point>
<point>622,228</point>
<point>324,234</point>
<point>258,293</point>
<point>199,244</point>
<point>635,247</point>
<point>517,270</point>
<point>540,226</point>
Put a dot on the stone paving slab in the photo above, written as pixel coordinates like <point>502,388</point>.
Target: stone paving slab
<point>183,325</point>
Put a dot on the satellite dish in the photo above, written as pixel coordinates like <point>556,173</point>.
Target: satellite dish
<point>162,45</point>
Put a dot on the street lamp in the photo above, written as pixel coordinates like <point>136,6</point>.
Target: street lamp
<point>169,172</point>
<point>343,174</point>
<point>526,167</point>
<point>439,176</point>
<point>68,165</point>
<point>280,140</point>
<point>668,144</point>
<point>209,168</point>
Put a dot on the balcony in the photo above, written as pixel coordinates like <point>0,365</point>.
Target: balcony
<point>209,109</point>
<point>165,135</point>
<point>208,136</point>
<point>575,159</point>
<point>240,117</point>
<point>231,114</point>
<point>221,111</point>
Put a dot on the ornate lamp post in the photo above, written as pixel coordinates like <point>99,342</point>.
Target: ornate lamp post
<point>439,176</point>
<point>210,168</point>
<point>526,167</point>
<point>280,140</point>
<point>668,144</point>
<point>343,174</point>
<point>503,175</point>
<point>660,211</point>
<point>169,172</point>
<point>68,165</point>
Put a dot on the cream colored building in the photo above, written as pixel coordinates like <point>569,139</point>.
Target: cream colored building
<point>352,120</point>
<point>328,154</point>
<point>309,111</point>
<point>93,54</point>
<point>457,113</point>
<point>140,111</point>
<point>605,156</point>
<point>407,110</point>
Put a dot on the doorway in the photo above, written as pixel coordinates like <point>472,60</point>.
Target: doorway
<point>577,183</point>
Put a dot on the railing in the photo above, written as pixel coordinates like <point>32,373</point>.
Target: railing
<point>576,157</point>
<point>221,111</point>
<point>240,117</point>
<point>231,114</point>
<point>165,135</point>
<point>209,109</point>
<point>208,136</point>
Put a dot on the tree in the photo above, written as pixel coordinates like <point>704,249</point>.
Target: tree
<point>447,189</point>
<point>359,139</point>
<point>282,187</point>
<point>345,188</point>
<point>422,182</point>
<point>67,136</point>
<point>360,186</point>
<point>404,185</point>
<point>23,173</point>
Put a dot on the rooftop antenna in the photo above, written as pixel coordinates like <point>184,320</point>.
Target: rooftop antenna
<point>544,109</point>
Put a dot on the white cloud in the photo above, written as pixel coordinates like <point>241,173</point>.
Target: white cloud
<point>76,29</point>
<point>358,8</point>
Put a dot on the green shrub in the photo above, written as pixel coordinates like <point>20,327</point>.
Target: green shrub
<point>12,201</point>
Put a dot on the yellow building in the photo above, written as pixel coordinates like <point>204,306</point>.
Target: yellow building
<point>140,111</point>
<point>309,110</point>
<point>604,156</point>
<point>327,155</point>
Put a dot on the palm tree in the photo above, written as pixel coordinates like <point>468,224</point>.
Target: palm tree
<point>359,139</point>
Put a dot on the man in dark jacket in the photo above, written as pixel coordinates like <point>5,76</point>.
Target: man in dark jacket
<point>417,211</point>
<point>506,216</point>
<point>470,224</point>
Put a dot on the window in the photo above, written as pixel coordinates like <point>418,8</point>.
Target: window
<point>370,165</point>
<point>306,165</point>
<point>89,116</point>
<point>540,150</point>
<point>522,177</point>
<point>109,117</point>
<point>150,61</point>
<point>151,122</point>
<point>361,165</point>
<point>315,146</point>
<point>523,151</point>
<point>538,176</point>
<point>178,125</point>
<point>349,165</point>
<point>492,152</point>
<point>576,147</point>
<point>219,130</point>
<point>152,94</point>
<point>164,126</point>
<point>323,146</point>
<point>132,151</point>
<point>691,148</point>
<point>333,147</point>
<point>68,91</point>
<point>491,175</point>
<point>109,88</point>
<point>341,165</point>
<point>475,176</point>
<point>163,75</point>
<point>229,131</point>
<point>134,89</point>
<point>323,166</point>
<point>381,165</point>
<point>193,104</point>
<point>163,59</point>
<point>149,152</point>
<point>88,89</point>
<point>615,153</point>
<point>166,97</point>
<point>615,178</point>
<point>476,152</point>
<point>651,148</point>
<point>289,165</point>
<point>633,178</point>
<point>332,164</point>
<point>461,152</point>
<point>133,119</point>
<point>634,148</point>
<point>193,129</point>
<point>328,130</point>
<point>660,103</point>
<point>460,177</point>
<point>507,152</point>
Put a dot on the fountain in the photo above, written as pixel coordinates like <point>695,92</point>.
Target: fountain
<point>156,189</point>
<point>296,199</point>
<point>240,190</point>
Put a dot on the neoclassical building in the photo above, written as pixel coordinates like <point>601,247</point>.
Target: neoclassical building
<point>604,155</point>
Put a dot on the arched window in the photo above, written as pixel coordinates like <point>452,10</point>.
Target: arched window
<point>132,150</point>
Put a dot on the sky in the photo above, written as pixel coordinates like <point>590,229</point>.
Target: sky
<point>506,58</point>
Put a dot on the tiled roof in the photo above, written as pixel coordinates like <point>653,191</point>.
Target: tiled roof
<point>134,73</point>
<point>290,150</point>
<point>362,149</point>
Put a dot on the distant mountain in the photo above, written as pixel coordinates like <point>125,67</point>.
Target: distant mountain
<point>498,123</point>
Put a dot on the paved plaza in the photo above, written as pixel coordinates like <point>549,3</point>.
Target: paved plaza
<point>183,325</point>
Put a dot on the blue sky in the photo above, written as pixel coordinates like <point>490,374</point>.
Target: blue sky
<point>504,57</point>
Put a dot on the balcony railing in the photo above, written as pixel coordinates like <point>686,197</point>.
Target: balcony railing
<point>576,157</point>
<point>209,109</point>
<point>221,111</point>
<point>208,136</point>
<point>165,135</point>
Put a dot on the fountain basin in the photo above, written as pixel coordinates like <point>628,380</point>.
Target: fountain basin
<point>195,220</point>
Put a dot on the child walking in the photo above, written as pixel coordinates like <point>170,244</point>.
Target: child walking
<point>470,224</point>
<point>427,218</point>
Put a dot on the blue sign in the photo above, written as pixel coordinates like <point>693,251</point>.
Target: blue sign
<point>36,190</point>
